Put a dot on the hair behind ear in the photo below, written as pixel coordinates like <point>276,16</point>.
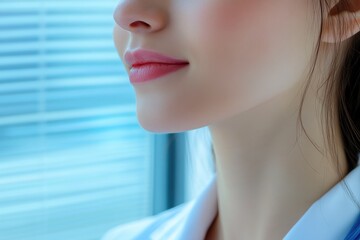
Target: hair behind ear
<point>345,5</point>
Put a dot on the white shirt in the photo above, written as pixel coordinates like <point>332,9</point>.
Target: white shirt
<point>329,218</point>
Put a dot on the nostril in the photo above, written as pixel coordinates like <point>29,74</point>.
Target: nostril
<point>139,23</point>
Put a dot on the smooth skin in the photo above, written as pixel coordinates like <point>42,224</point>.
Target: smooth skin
<point>248,63</point>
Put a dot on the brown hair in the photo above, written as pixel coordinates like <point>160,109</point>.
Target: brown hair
<point>341,102</point>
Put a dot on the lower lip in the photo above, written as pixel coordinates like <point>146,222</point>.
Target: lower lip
<point>152,71</point>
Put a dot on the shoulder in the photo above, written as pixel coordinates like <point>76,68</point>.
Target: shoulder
<point>144,227</point>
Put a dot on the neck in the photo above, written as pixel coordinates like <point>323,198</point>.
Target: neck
<point>268,171</point>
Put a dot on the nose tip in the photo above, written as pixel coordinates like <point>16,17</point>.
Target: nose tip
<point>137,17</point>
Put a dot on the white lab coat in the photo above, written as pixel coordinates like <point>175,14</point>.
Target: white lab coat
<point>329,218</point>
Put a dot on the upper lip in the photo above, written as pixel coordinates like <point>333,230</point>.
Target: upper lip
<point>142,56</point>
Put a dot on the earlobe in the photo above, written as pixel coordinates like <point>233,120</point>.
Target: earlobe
<point>342,22</point>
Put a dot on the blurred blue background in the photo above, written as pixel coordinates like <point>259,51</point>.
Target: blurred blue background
<point>73,160</point>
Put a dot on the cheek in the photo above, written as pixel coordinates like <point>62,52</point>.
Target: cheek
<point>248,50</point>
<point>259,25</point>
<point>251,32</point>
<point>224,16</point>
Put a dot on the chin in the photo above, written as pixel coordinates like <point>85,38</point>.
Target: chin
<point>164,125</point>
<point>160,126</point>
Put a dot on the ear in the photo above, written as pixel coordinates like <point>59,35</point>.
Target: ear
<point>342,21</point>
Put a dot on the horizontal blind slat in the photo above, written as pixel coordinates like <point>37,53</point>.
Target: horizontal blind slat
<point>70,144</point>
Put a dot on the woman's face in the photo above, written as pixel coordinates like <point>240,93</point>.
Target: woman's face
<point>241,53</point>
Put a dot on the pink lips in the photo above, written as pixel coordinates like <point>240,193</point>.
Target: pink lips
<point>146,65</point>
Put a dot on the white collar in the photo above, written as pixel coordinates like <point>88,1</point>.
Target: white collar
<point>330,217</point>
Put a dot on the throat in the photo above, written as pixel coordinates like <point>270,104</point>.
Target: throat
<point>251,194</point>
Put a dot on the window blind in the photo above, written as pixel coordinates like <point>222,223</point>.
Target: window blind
<point>73,160</point>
